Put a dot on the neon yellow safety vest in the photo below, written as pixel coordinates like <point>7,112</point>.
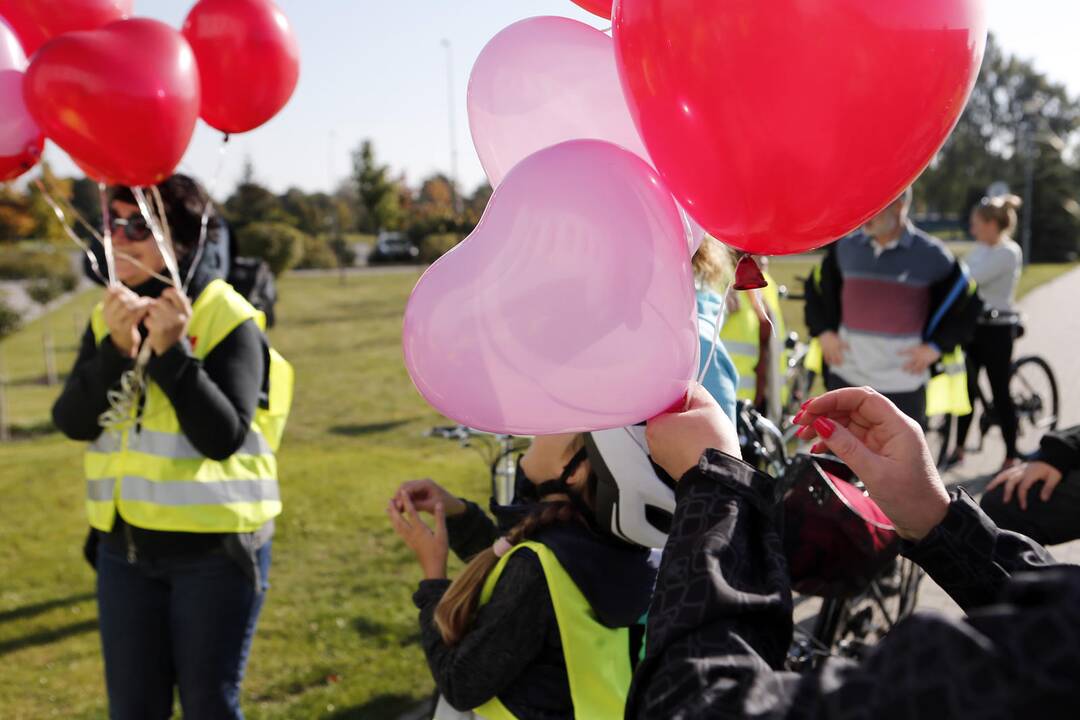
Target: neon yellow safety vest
<point>597,657</point>
<point>155,477</point>
<point>741,335</point>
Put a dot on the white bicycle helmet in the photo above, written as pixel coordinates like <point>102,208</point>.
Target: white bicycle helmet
<point>635,498</point>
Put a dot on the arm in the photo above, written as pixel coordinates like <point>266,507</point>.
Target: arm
<point>470,532</point>
<point>85,395</point>
<point>720,624</point>
<point>506,636</point>
<point>955,309</point>
<point>822,290</point>
<point>215,399</point>
<point>1061,449</point>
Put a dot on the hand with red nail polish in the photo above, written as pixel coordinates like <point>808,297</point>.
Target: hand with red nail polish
<point>887,450</point>
<point>678,440</point>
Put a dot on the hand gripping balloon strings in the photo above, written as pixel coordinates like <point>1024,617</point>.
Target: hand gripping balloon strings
<point>201,246</point>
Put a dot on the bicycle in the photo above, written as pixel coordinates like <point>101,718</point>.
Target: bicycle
<point>852,618</point>
<point>499,452</point>
<point>1034,392</point>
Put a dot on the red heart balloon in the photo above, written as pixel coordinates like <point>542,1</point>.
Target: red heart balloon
<point>123,99</point>
<point>249,61</point>
<point>597,7</point>
<point>783,125</point>
<point>36,21</point>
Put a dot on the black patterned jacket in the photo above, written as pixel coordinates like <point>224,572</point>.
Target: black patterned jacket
<point>720,623</point>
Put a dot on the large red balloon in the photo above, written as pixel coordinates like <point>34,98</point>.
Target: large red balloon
<point>249,61</point>
<point>36,21</point>
<point>597,7</point>
<point>123,100</point>
<point>782,125</point>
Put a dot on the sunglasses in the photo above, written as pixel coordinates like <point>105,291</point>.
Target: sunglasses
<point>134,227</point>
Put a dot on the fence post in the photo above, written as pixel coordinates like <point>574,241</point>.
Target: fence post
<point>50,357</point>
<point>5,432</point>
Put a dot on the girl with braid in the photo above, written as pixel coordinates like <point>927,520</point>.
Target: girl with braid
<point>544,621</point>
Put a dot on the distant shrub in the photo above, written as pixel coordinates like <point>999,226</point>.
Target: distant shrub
<point>434,247</point>
<point>280,245</point>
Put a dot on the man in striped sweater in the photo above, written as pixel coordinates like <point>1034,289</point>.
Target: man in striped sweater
<point>886,303</point>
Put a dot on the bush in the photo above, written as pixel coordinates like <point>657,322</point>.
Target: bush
<point>434,247</point>
<point>9,319</point>
<point>18,264</point>
<point>280,245</point>
<point>318,255</point>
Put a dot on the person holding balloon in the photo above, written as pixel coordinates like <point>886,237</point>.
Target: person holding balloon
<point>887,303</point>
<point>181,474</point>
<point>544,620</point>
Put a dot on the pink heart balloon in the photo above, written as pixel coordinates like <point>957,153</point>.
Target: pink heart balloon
<point>543,81</point>
<point>21,140</point>
<point>571,306</point>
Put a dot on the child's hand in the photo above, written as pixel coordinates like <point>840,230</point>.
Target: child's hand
<point>425,495</point>
<point>430,546</point>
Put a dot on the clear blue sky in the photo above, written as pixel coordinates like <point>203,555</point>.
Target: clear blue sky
<point>378,70</point>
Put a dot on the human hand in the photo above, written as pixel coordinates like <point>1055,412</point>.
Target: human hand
<point>431,546</point>
<point>887,450</point>
<point>425,495</point>
<point>678,440</point>
<point>920,358</point>
<point>1021,478</point>
<point>832,348</point>
<point>167,320</point>
<point>123,311</point>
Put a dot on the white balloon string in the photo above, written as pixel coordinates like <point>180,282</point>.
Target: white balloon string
<point>106,232</point>
<point>70,232</point>
<point>159,235</point>
<point>717,327</point>
<point>207,207</point>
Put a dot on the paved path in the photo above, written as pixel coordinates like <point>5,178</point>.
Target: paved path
<point>1053,331</point>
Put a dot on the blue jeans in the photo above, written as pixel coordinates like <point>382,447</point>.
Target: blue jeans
<point>176,622</point>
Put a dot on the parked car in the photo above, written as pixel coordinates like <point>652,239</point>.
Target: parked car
<point>393,247</point>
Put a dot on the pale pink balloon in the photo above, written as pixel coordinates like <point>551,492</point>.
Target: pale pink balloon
<point>571,306</point>
<point>543,81</point>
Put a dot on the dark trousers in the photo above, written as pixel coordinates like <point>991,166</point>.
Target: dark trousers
<point>992,348</point>
<point>1048,523</point>
<point>912,404</point>
<point>176,622</point>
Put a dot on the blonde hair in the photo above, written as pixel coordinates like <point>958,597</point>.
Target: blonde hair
<point>1002,211</point>
<point>713,264</point>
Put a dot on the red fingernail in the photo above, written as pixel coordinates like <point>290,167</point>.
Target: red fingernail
<point>679,407</point>
<point>798,416</point>
<point>818,448</point>
<point>807,403</point>
<point>801,431</point>
<point>825,427</point>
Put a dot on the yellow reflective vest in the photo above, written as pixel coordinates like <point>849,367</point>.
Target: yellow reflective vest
<point>151,473</point>
<point>597,657</point>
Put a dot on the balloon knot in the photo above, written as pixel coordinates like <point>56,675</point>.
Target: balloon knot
<point>748,275</point>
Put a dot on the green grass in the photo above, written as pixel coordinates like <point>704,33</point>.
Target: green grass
<point>338,635</point>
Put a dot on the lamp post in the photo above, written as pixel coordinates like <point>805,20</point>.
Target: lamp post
<point>453,124</point>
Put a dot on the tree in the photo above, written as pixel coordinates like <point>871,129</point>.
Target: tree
<point>252,203</point>
<point>1017,121</point>
<point>377,195</point>
<point>280,245</point>
<point>297,204</point>
<point>86,199</point>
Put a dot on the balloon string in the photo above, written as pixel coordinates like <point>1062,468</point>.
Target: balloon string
<point>207,207</point>
<point>160,239</point>
<point>106,232</point>
<point>758,303</point>
<point>70,232</point>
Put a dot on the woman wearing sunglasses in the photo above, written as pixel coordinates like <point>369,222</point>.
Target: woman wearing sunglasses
<point>181,476</point>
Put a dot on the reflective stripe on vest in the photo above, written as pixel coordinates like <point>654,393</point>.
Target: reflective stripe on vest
<point>153,474</point>
<point>597,657</point>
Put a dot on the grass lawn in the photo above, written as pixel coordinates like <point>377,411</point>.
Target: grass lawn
<point>337,638</point>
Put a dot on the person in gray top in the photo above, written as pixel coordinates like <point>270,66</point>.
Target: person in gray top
<point>995,264</point>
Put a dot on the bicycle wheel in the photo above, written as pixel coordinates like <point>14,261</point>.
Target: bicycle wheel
<point>866,619</point>
<point>1034,392</point>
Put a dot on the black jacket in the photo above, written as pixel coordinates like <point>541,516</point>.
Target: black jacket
<point>720,622</point>
<point>1062,450</point>
<point>513,650</point>
<point>953,302</point>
